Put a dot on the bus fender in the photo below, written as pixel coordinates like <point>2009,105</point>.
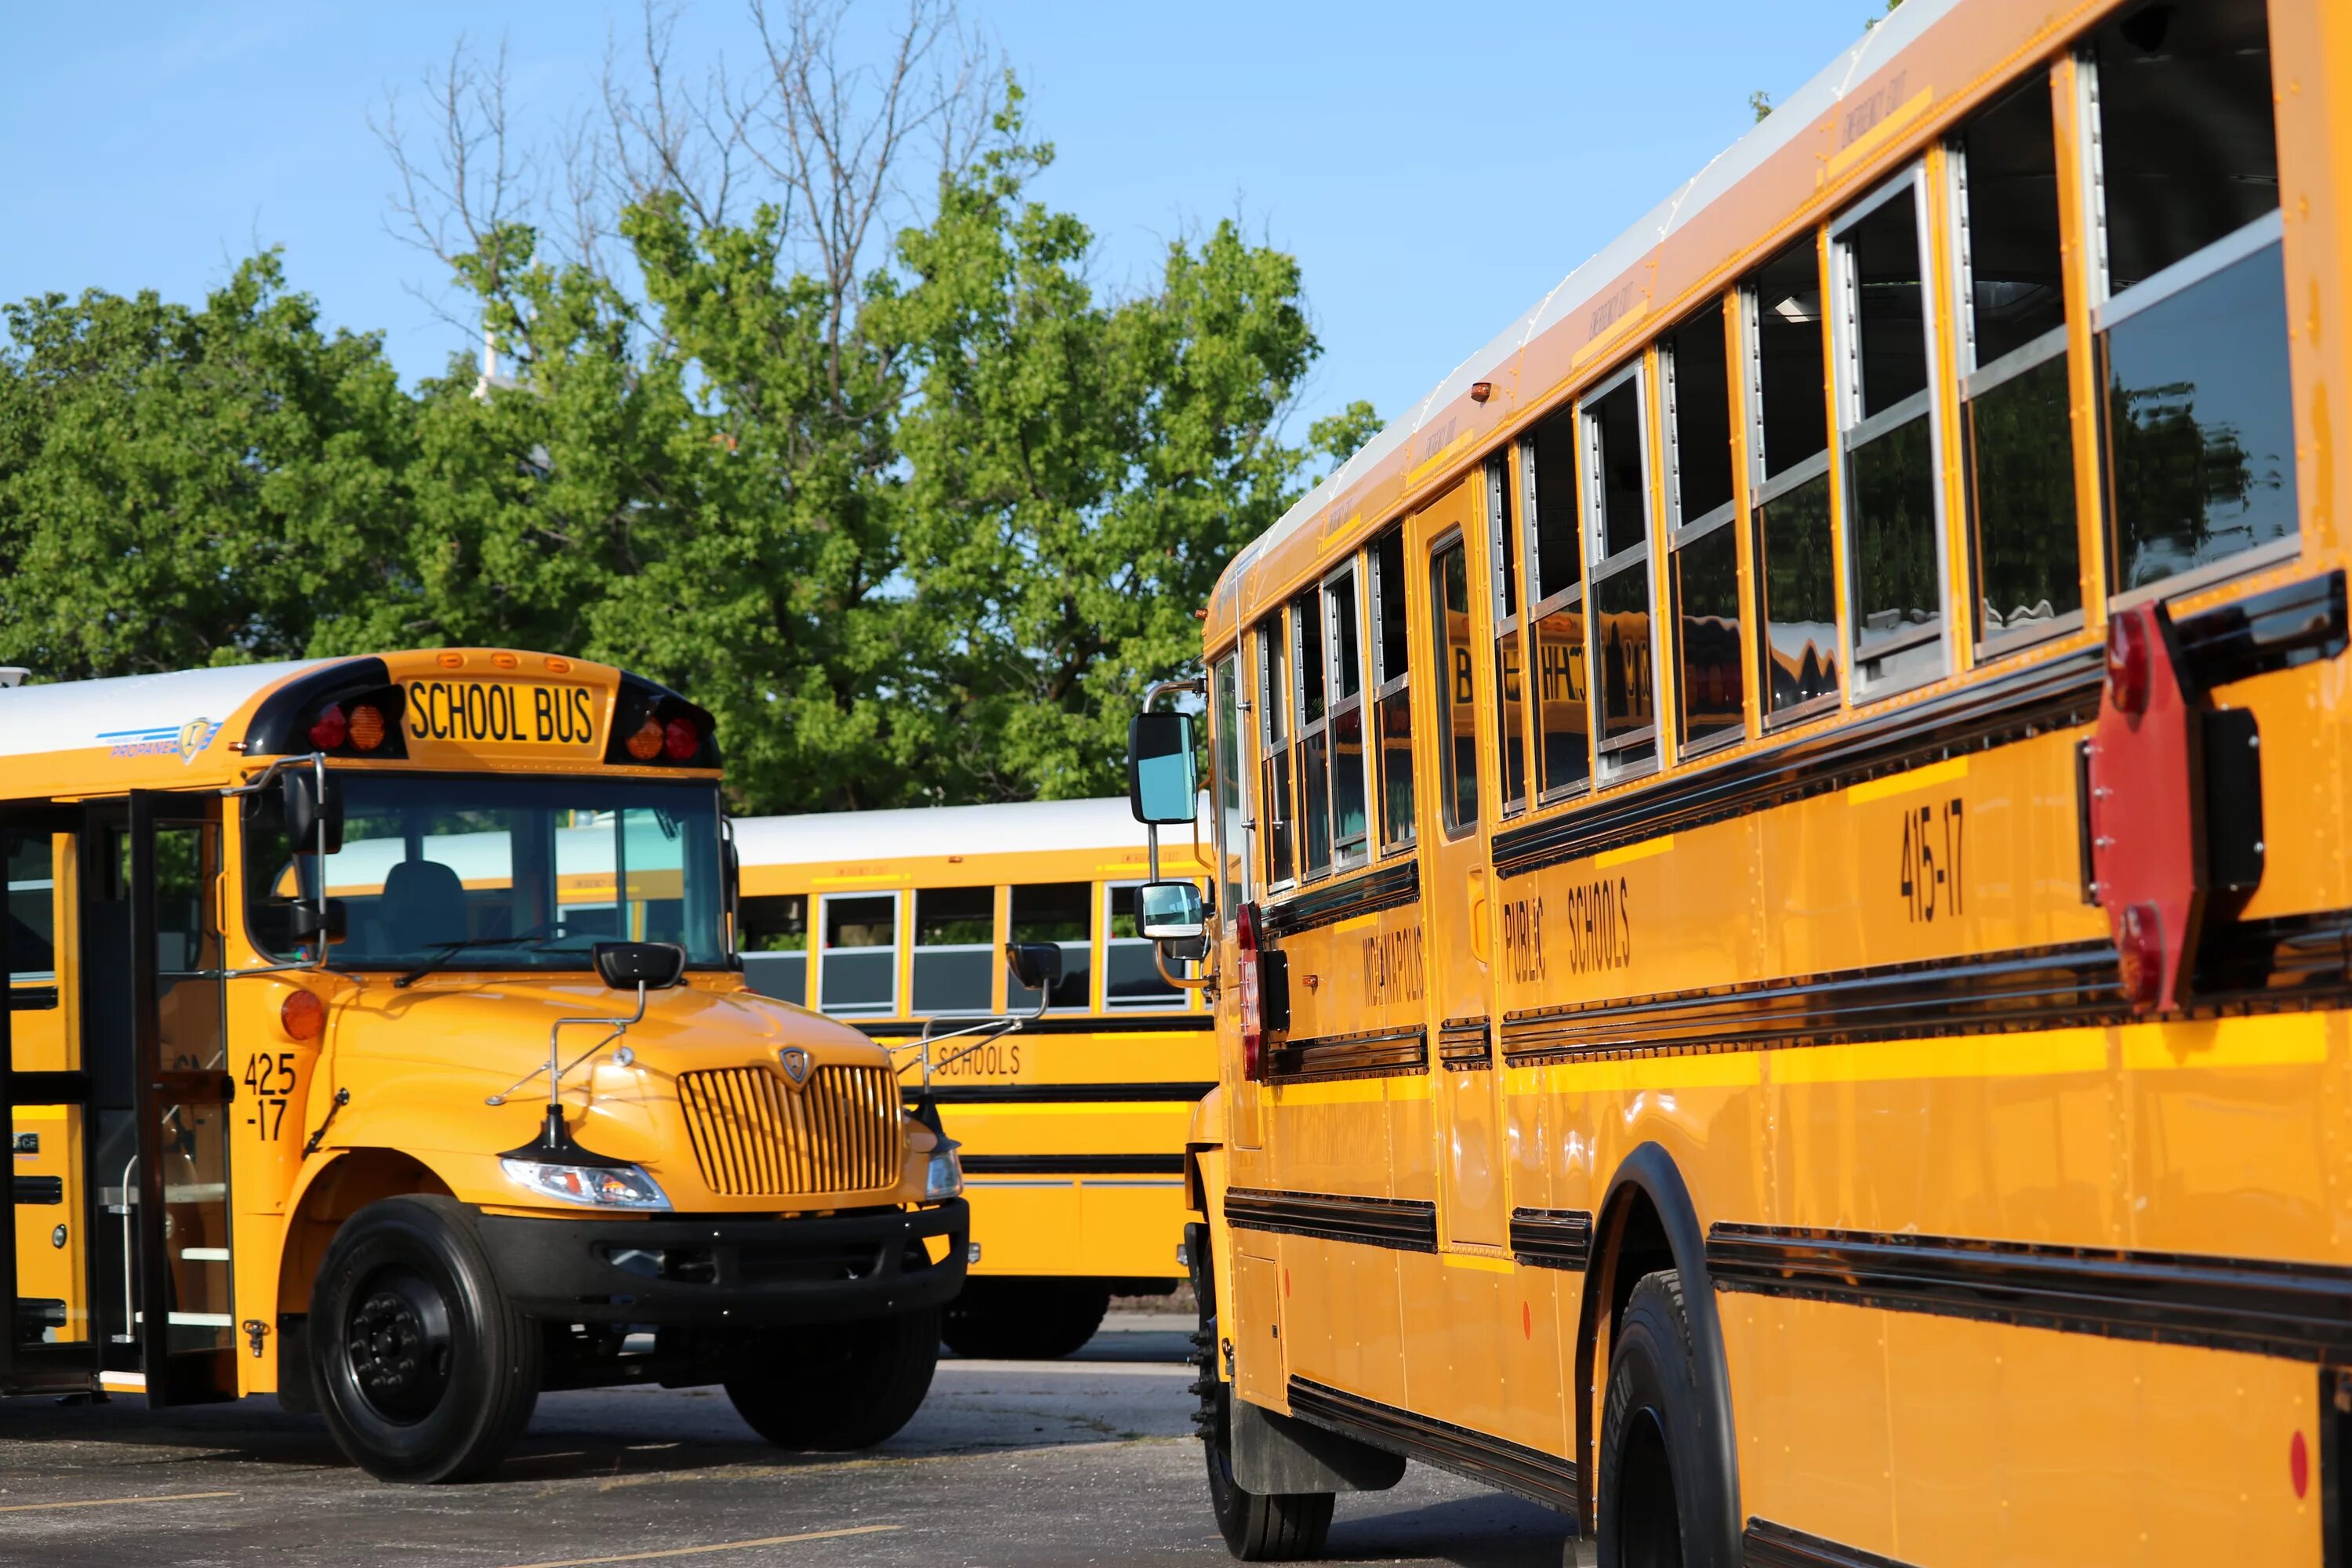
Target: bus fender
<point>1648,1179</point>
<point>1209,1118</point>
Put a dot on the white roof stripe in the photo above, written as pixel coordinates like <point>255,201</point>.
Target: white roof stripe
<point>130,713</point>
<point>1790,121</point>
<point>1025,827</point>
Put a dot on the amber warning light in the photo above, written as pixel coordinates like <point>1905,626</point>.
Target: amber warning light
<point>362,727</point>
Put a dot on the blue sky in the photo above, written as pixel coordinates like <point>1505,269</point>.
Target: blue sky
<point>1435,168</point>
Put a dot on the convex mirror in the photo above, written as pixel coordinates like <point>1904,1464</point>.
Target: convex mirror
<point>626,965</point>
<point>1170,911</point>
<point>1033,965</point>
<point>1162,787</point>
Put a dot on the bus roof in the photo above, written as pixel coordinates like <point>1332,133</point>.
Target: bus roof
<point>1547,348</point>
<point>128,711</point>
<point>1011,828</point>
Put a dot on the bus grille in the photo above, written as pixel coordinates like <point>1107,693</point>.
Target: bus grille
<point>755,1138</point>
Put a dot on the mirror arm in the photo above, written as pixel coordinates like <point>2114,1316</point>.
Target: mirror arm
<point>1205,981</point>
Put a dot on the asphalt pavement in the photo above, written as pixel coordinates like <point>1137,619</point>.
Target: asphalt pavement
<point>1010,1464</point>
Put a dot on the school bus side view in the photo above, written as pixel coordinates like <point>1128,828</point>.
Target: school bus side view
<point>1782,935</point>
<point>375,1037</point>
<point>1070,1125</point>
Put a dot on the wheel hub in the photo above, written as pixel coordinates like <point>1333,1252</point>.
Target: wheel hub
<point>397,1339</point>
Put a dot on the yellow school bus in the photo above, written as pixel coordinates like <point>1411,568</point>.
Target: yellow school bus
<point>1851,1064</point>
<point>375,1036</point>
<point>1070,1124</point>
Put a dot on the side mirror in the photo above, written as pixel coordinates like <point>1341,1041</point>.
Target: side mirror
<point>303,809</point>
<point>1162,788</point>
<point>1033,965</point>
<point>1170,911</point>
<point>626,965</point>
<point>309,921</point>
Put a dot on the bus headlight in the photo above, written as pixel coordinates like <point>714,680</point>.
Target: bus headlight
<point>942,1175</point>
<point>597,1186</point>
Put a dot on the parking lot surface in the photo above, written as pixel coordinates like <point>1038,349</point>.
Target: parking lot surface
<point>1087,1461</point>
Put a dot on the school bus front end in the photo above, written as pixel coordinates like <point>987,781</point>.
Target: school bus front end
<point>381,1043</point>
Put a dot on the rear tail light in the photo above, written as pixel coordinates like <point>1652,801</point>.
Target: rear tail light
<point>1253,998</point>
<point>329,728</point>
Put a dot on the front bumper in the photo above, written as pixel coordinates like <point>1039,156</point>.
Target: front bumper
<point>725,1272</point>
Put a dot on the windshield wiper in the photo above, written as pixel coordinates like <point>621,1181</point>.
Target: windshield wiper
<point>443,951</point>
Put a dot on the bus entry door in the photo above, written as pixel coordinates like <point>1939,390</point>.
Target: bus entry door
<point>53,1334</point>
<point>164,1165</point>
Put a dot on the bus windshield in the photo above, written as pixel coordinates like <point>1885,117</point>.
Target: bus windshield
<point>503,873</point>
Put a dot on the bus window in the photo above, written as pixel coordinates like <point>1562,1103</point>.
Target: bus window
<point>1556,579</point>
<point>1311,750</point>
<point>1510,722</point>
<point>955,949</point>
<point>1457,702</point>
<point>1232,850</point>
<point>1349,831</point>
<point>2016,430</point>
<point>2192,330</point>
<point>1705,575</point>
<point>1131,973</point>
<point>1274,699</point>
<point>1886,433</point>
<point>1058,913</point>
<point>32,908</point>
<point>1617,497</point>
<point>1795,575</point>
<point>857,968</point>
<point>1392,675</point>
<point>774,941</point>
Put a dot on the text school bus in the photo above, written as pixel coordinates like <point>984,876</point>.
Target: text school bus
<point>1782,930</point>
<point>1071,1125</point>
<point>375,1037</point>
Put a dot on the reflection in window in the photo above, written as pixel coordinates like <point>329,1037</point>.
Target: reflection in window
<point>1795,567</point>
<point>1311,751</point>
<point>1564,744</point>
<point>955,949</point>
<point>32,905</point>
<point>2016,422</point>
<point>1391,678</point>
<point>774,940</point>
<point>1891,488</point>
<point>1706,635</point>
<point>858,973</point>
<point>2193,355</point>
<point>1457,709</point>
<point>1055,912</point>
<point>1547,495</point>
<point>1617,494</point>
<point>1130,971</point>
<point>1349,831</point>
<point>1706,561</point>
<point>1510,720</point>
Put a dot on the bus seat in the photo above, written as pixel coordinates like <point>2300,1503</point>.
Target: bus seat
<point>424,903</point>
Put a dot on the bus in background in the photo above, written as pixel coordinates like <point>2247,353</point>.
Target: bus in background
<point>374,1037</point>
<point>1071,1127</point>
<point>1835,1049</point>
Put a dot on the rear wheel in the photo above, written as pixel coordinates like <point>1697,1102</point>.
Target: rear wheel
<point>1024,1319</point>
<point>1659,1487</point>
<point>838,1387</point>
<point>423,1370</point>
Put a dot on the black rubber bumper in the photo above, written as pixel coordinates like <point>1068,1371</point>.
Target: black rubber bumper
<point>724,1272</point>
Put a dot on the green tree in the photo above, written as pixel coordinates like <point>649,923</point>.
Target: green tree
<point>185,486</point>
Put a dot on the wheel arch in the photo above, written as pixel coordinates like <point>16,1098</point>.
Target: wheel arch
<point>330,1193</point>
<point>1647,1221</point>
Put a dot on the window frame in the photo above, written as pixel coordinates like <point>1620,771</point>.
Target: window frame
<point>1306,732</point>
<point>2107,309</point>
<point>1232,860</point>
<point>1442,734</point>
<point>917,947</point>
<point>1680,532</point>
<point>1600,568</point>
<point>1503,592</point>
<point>1851,429</point>
<point>1381,689</point>
<point>820,946</point>
<point>1535,612</point>
<point>1350,572</point>
<point>1273,631</point>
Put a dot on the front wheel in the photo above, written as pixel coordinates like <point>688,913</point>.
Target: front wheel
<point>1258,1527</point>
<point>838,1387</point>
<point>425,1372</point>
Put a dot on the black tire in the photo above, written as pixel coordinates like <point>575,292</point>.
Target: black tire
<point>1024,1319</point>
<point>839,1387</point>
<point>423,1370</point>
<point>1661,1496</point>
<point>1282,1527</point>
